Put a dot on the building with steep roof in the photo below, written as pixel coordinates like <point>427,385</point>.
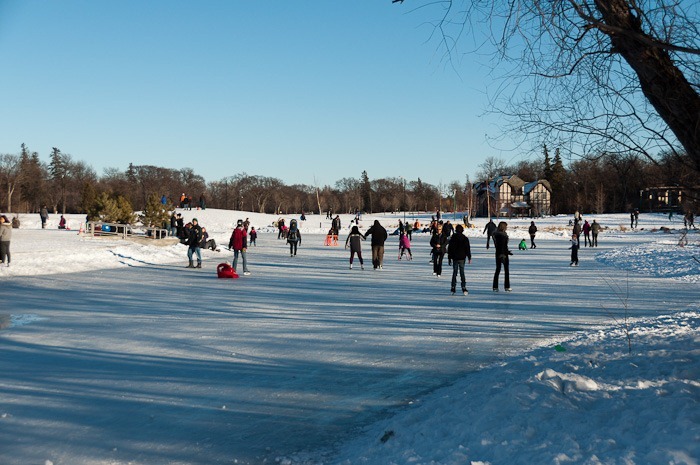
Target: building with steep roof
<point>509,196</point>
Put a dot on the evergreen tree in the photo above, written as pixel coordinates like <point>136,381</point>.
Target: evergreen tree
<point>154,214</point>
<point>366,193</point>
<point>547,164</point>
<point>58,167</point>
<point>557,181</point>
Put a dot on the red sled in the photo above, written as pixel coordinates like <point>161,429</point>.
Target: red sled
<point>224,270</point>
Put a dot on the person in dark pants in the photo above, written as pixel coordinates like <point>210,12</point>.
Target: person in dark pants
<point>595,229</point>
<point>500,240</point>
<point>532,230</point>
<point>574,251</point>
<point>458,251</point>
<point>439,244</point>
<point>293,238</point>
<point>489,229</point>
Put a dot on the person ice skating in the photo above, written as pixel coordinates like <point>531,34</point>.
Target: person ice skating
<point>354,241</point>
<point>253,236</point>
<point>587,234</point>
<point>458,251</point>
<point>239,244</point>
<point>577,231</point>
<point>636,218</point>
<point>194,239</point>
<point>595,229</point>
<point>335,224</point>
<point>293,238</point>
<point>574,251</point>
<point>438,242</point>
<point>490,230</point>
<point>5,238</point>
<point>62,223</point>
<point>532,230</point>
<point>379,236</point>
<point>522,245</point>
<point>44,215</point>
<point>632,220</point>
<point>280,228</point>
<point>404,246</point>
<point>500,240</point>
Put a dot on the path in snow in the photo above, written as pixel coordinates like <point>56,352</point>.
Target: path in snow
<point>158,364</point>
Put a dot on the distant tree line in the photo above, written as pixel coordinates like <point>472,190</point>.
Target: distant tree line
<point>606,183</point>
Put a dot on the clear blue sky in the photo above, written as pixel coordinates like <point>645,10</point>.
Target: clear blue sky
<point>299,91</point>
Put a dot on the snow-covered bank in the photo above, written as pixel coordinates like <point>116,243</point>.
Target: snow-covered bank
<point>590,402</point>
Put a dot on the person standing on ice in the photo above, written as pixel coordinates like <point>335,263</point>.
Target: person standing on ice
<point>404,246</point>
<point>500,240</point>
<point>5,237</point>
<point>253,236</point>
<point>379,237</point>
<point>354,241</point>
<point>574,251</point>
<point>595,229</point>
<point>438,242</point>
<point>587,234</point>
<point>489,229</point>
<point>239,244</point>
<point>532,230</point>
<point>458,250</point>
<point>293,238</point>
<point>194,239</point>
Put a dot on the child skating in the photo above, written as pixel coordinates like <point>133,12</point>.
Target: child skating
<point>404,246</point>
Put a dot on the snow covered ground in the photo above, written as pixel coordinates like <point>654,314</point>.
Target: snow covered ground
<point>114,353</point>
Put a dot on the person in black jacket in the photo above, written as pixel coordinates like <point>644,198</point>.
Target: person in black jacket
<point>194,238</point>
<point>500,240</point>
<point>489,229</point>
<point>439,244</point>
<point>458,250</point>
<point>379,236</point>
<point>532,230</point>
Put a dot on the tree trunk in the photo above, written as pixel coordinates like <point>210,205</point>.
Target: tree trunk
<point>662,83</point>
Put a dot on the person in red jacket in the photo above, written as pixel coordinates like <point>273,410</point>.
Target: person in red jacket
<point>239,244</point>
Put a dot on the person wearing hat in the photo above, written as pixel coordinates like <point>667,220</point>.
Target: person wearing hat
<point>239,244</point>
<point>193,241</point>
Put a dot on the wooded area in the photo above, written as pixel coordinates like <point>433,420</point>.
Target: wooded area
<point>603,184</point>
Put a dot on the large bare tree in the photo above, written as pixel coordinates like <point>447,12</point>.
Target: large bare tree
<point>601,75</point>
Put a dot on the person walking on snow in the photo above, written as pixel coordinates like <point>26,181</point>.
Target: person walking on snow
<point>500,240</point>
<point>5,238</point>
<point>379,236</point>
<point>458,251</point>
<point>490,230</point>
<point>532,230</point>
<point>293,238</point>
<point>194,239</point>
<point>354,240</point>
<point>44,215</point>
<point>239,244</point>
